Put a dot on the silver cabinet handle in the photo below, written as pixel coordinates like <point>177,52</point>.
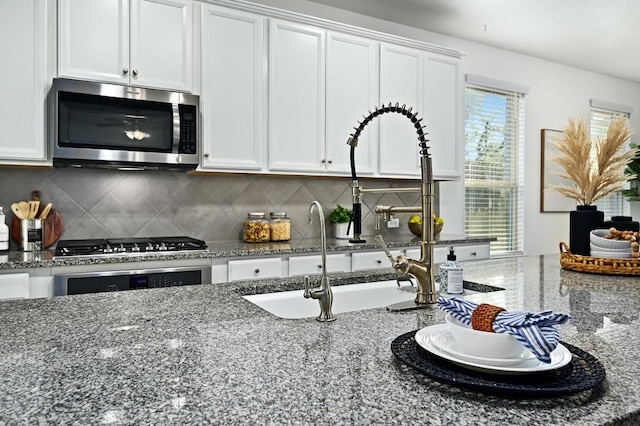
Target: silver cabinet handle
<point>378,261</point>
<point>257,270</point>
<point>135,72</point>
<point>473,253</point>
<point>206,155</point>
<point>330,161</point>
<point>125,70</point>
<point>319,266</point>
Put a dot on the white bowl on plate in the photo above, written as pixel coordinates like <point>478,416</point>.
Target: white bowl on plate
<point>597,239</point>
<point>483,343</point>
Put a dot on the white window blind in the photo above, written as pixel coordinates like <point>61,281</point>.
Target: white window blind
<point>613,204</point>
<point>494,167</point>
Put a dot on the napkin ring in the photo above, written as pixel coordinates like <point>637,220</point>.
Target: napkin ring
<point>483,315</point>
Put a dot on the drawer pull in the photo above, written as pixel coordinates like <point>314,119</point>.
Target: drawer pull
<point>473,253</point>
<point>319,266</point>
<point>257,270</point>
<point>378,261</point>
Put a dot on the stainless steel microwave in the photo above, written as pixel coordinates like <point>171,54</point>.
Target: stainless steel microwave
<point>113,126</point>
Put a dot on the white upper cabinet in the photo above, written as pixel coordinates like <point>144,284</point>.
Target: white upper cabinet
<point>443,115</point>
<point>24,80</point>
<point>352,90</point>
<point>430,84</point>
<point>296,97</point>
<point>146,43</point>
<point>233,90</point>
<point>401,81</point>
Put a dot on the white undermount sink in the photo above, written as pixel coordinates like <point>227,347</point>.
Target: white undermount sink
<point>346,298</point>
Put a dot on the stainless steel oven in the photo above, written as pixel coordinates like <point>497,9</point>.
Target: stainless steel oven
<point>113,126</point>
<point>97,282</point>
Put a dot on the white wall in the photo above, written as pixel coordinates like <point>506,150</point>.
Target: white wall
<point>556,92</point>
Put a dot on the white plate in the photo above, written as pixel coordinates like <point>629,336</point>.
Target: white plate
<point>445,342</point>
<point>560,357</point>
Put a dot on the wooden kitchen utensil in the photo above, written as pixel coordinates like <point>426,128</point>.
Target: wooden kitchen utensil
<point>24,209</point>
<point>15,208</point>
<point>52,226</point>
<point>34,206</point>
<point>45,211</point>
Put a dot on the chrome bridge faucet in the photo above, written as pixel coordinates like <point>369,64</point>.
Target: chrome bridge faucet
<point>323,294</point>
<point>421,269</point>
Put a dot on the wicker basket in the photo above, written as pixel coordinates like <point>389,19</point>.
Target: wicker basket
<point>597,265</point>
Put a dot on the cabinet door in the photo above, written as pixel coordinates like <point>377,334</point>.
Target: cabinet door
<point>443,115</point>
<point>23,80</point>
<point>161,44</point>
<point>401,81</point>
<point>233,86</point>
<point>14,286</point>
<point>352,90</point>
<point>93,40</point>
<point>296,97</point>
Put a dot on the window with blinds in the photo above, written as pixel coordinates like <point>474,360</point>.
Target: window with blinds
<point>613,204</point>
<point>494,167</point>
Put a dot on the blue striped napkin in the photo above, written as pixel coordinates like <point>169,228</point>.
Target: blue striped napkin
<point>536,331</point>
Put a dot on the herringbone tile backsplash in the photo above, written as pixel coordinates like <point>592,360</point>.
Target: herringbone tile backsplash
<point>98,203</point>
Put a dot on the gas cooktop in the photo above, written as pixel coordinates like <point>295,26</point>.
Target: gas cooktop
<point>128,246</point>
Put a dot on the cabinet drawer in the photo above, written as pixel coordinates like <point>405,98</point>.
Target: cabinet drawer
<point>371,260</point>
<point>472,252</point>
<point>14,286</point>
<point>463,252</point>
<point>306,265</point>
<point>248,269</point>
<point>439,254</point>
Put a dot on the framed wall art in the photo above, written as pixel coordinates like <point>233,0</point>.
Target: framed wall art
<point>551,201</point>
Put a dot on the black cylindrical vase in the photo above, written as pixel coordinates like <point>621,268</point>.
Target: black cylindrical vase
<point>581,222</point>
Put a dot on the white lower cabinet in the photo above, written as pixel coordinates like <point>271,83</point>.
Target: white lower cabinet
<point>249,269</point>
<point>309,265</point>
<point>463,252</point>
<point>14,286</point>
<point>371,260</point>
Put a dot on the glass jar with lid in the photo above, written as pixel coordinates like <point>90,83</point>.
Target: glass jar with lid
<point>280,226</point>
<point>256,228</point>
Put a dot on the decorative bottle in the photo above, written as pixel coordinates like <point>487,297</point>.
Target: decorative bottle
<point>4,232</point>
<point>451,281</point>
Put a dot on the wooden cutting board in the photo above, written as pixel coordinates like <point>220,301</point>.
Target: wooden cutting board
<point>52,226</point>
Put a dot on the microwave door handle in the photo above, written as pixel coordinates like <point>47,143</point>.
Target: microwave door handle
<point>176,126</point>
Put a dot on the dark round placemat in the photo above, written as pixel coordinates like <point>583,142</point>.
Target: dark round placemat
<point>583,373</point>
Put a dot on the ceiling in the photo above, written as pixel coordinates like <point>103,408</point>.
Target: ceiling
<point>597,35</point>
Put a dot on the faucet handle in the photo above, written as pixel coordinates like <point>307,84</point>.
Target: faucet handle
<point>307,291</point>
<point>380,241</point>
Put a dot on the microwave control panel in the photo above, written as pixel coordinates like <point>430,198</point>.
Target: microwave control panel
<point>188,129</point>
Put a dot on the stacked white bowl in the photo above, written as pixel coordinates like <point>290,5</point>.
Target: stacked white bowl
<point>608,248</point>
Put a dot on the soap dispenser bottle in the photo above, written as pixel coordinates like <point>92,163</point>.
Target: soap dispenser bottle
<point>4,233</point>
<point>451,275</point>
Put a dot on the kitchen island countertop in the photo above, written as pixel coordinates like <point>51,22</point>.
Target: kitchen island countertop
<point>203,355</point>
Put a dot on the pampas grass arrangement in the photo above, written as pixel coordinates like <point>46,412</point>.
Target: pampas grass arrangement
<point>593,177</point>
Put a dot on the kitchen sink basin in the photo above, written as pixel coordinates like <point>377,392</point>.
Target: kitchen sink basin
<point>361,296</point>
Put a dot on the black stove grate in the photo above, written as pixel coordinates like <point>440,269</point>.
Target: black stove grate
<point>120,246</point>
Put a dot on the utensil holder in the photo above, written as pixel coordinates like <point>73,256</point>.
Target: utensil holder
<point>31,232</point>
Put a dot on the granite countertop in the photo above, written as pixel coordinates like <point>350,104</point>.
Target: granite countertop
<point>220,249</point>
<point>203,355</point>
